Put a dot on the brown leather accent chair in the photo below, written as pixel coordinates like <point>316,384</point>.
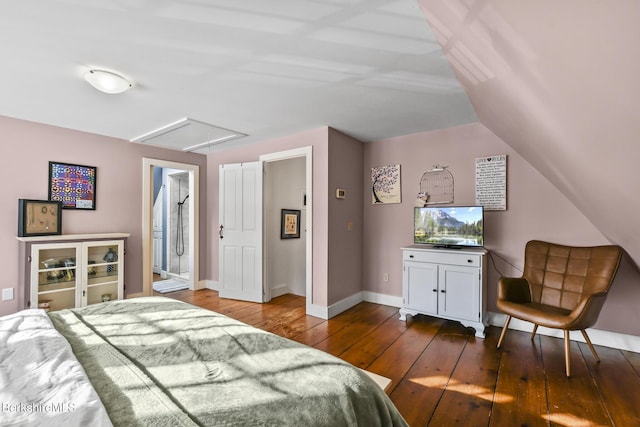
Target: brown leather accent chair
<point>562,287</point>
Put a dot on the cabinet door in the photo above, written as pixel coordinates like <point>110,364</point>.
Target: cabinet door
<point>103,271</point>
<point>459,292</point>
<point>421,286</point>
<point>55,282</point>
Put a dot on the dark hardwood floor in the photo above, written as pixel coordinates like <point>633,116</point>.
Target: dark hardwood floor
<point>442,375</point>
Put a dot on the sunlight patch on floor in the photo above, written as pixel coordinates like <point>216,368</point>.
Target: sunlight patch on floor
<point>443,382</point>
<point>568,420</point>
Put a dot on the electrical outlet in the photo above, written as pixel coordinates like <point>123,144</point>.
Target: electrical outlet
<point>385,277</point>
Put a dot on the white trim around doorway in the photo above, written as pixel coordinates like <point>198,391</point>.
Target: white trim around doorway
<point>147,223</point>
<point>306,152</point>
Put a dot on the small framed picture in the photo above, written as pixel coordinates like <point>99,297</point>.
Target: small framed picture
<point>39,218</point>
<point>290,224</point>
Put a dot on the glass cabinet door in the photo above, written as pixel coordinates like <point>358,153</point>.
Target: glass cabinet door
<point>55,279</point>
<point>103,262</point>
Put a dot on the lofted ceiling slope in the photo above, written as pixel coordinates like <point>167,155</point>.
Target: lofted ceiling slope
<point>558,82</point>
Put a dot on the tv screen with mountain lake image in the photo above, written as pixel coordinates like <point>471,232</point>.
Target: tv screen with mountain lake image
<point>455,226</point>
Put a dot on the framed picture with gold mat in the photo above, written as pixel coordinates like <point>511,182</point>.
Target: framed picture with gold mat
<point>39,218</point>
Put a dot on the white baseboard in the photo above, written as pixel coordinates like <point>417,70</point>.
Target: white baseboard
<point>317,311</point>
<point>345,304</point>
<point>382,299</point>
<point>350,301</point>
<point>278,290</point>
<point>597,336</point>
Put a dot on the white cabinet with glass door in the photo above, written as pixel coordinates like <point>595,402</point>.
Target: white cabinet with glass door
<point>72,271</point>
<point>55,282</point>
<point>104,274</point>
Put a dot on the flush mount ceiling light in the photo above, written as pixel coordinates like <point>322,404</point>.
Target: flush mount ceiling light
<point>107,81</point>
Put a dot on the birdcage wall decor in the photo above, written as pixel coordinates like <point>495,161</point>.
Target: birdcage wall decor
<point>436,186</point>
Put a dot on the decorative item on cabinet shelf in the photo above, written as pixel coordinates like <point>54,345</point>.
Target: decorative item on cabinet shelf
<point>91,269</point>
<point>70,263</point>
<point>45,304</point>
<point>106,297</point>
<point>110,256</point>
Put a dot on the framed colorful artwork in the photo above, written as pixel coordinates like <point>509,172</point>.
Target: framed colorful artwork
<point>72,185</point>
<point>290,224</point>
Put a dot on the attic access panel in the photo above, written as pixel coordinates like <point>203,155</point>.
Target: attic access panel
<point>187,135</point>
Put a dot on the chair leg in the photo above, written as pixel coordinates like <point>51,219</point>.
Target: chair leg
<point>567,353</point>
<point>593,350</point>
<point>504,331</point>
<point>533,333</point>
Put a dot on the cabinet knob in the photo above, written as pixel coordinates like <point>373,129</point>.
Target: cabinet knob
<point>410,256</point>
<point>443,291</point>
<point>469,260</point>
<point>434,290</point>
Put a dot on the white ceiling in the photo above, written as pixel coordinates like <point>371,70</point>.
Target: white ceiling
<point>265,68</point>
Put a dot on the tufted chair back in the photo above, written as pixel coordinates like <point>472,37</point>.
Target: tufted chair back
<point>561,276</point>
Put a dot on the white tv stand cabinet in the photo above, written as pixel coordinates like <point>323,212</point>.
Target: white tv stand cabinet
<point>446,283</point>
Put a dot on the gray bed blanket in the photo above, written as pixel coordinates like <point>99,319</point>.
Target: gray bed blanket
<point>157,361</point>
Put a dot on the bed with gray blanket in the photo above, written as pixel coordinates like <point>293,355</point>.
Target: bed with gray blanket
<point>157,361</point>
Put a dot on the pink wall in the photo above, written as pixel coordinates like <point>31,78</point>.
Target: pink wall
<point>345,245</point>
<point>26,149</point>
<point>536,210</point>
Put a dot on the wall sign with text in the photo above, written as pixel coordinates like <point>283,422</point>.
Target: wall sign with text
<point>491,182</point>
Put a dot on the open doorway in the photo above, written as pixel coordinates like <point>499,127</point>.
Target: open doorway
<point>171,218</point>
<point>172,226</point>
<point>299,162</point>
<point>285,256</point>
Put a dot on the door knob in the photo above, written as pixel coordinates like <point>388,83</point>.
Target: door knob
<point>220,232</point>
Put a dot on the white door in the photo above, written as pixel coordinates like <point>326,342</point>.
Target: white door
<point>459,292</point>
<point>421,286</point>
<point>240,232</point>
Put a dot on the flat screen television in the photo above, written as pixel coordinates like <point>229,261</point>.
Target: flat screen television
<point>453,226</point>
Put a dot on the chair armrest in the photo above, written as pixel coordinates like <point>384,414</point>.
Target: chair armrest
<point>586,313</point>
<point>514,289</point>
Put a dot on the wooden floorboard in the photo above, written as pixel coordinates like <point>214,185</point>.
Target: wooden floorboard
<point>573,400</point>
<point>468,397</point>
<point>443,375</point>
<point>617,383</point>
<point>428,377</point>
<point>369,347</point>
